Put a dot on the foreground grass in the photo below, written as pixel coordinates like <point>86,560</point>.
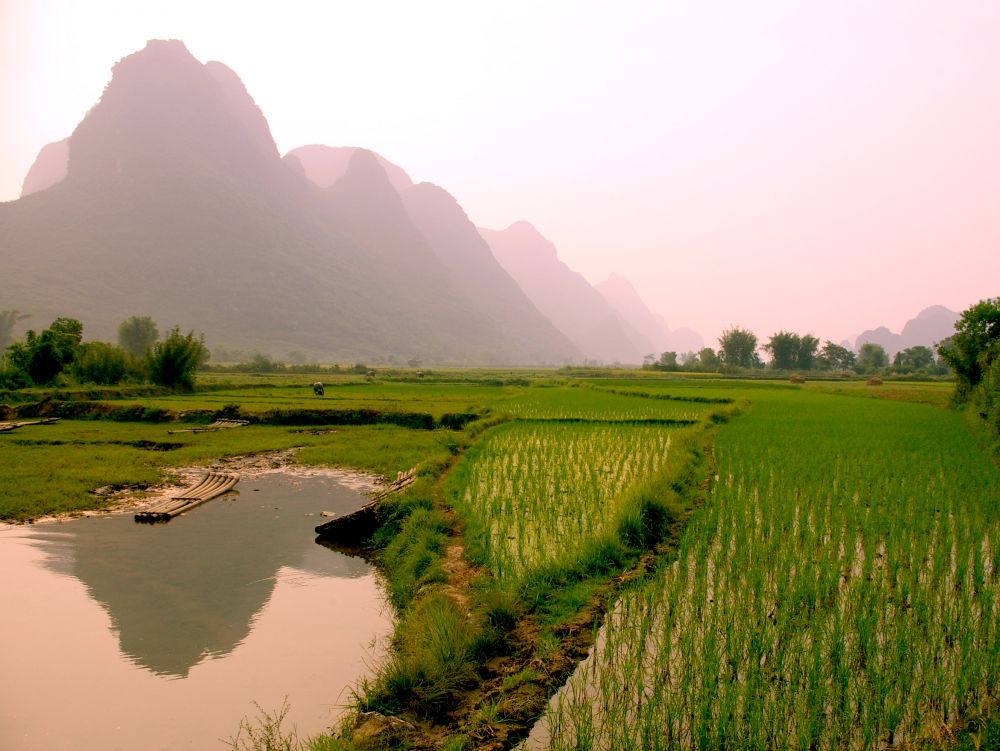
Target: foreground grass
<point>532,494</point>
<point>839,590</point>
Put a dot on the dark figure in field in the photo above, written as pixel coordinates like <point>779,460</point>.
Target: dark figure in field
<point>318,389</point>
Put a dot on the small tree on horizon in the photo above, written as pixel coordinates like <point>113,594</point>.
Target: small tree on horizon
<point>137,335</point>
<point>668,361</point>
<point>784,350</point>
<point>871,357</point>
<point>738,347</point>
<point>708,359</point>
<point>808,345</point>
<point>835,357</point>
<point>173,361</point>
<point>913,359</point>
<point>792,352</point>
<point>42,357</point>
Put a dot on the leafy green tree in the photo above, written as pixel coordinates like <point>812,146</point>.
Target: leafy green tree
<point>806,359</point>
<point>835,357</point>
<point>667,361</point>
<point>137,334</point>
<point>974,346</point>
<point>703,361</point>
<point>871,357</point>
<point>913,359</point>
<point>738,347</point>
<point>19,354</point>
<point>66,332</point>
<point>11,377</point>
<point>173,361</point>
<point>988,397</point>
<point>708,359</point>
<point>9,319</point>
<point>42,357</point>
<point>784,350</point>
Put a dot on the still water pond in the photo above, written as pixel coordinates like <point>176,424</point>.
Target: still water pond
<point>118,635</point>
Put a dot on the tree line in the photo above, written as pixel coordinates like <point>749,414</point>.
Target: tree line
<point>58,355</point>
<point>739,349</point>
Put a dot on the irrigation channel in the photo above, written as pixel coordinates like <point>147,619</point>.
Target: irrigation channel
<point>118,635</point>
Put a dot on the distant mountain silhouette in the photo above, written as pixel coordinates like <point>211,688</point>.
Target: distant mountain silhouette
<point>621,295</point>
<point>931,326</point>
<point>324,165</point>
<point>564,296</point>
<point>176,204</point>
<point>48,169</point>
<point>430,223</point>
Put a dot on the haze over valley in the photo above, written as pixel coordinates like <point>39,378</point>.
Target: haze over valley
<point>769,168</point>
<point>170,199</point>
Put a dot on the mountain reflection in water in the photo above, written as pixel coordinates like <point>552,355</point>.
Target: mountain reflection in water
<point>181,592</point>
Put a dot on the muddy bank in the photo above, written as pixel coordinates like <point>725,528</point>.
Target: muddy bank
<point>130,500</point>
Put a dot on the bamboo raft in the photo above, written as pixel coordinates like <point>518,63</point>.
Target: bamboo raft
<point>6,426</point>
<point>358,524</point>
<point>210,486</point>
<point>403,480</point>
<point>217,425</point>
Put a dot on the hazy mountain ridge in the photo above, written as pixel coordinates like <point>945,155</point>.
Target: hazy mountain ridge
<point>324,165</point>
<point>437,222</point>
<point>475,270</point>
<point>930,326</point>
<point>564,296</point>
<point>622,296</point>
<point>48,169</point>
<point>176,204</point>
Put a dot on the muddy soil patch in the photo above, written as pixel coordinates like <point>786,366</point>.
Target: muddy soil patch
<point>129,499</point>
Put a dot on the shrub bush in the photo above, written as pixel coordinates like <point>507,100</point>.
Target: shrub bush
<point>173,361</point>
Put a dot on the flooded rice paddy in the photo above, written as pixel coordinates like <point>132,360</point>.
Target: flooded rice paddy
<point>119,635</point>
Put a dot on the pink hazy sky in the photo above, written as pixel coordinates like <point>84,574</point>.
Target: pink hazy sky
<point>816,167</point>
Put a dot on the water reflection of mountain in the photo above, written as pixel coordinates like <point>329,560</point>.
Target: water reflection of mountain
<point>181,591</point>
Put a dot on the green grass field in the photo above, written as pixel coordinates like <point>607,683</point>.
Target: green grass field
<point>599,405</point>
<point>537,493</point>
<point>836,588</point>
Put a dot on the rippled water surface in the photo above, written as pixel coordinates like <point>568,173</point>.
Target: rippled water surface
<point>118,635</point>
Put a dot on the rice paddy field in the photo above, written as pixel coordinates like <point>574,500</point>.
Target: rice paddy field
<point>538,492</point>
<point>579,403</point>
<point>837,589</point>
<point>836,586</point>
